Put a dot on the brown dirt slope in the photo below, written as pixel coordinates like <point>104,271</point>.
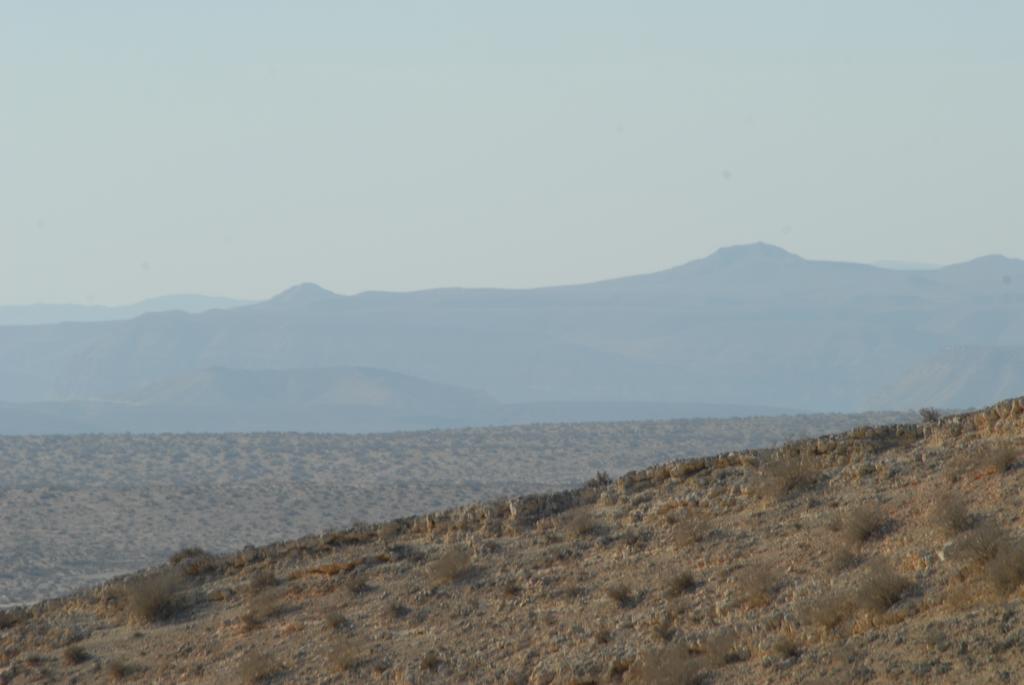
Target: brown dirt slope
<point>891,554</point>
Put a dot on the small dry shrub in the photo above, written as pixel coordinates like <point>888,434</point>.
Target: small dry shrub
<point>347,655</point>
<point>8,619</point>
<point>722,648</point>
<point>453,566</point>
<point>789,474</point>
<point>842,559</point>
<point>950,514</point>
<point>827,610</point>
<point>880,588</point>
<point>982,543</point>
<point>154,598</point>
<point>689,530</point>
<point>935,637</point>
<point>581,523</point>
<point>672,665</point>
<point>998,458</point>
<point>260,580</point>
<point>193,561</point>
<point>757,584</point>
<point>600,480</point>
<point>261,608</point>
<point>861,523</point>
<point>620,594</point>
<point>431,661</point>
<point>930,414</point>
<point>680,583</point>
<point>335,619</point>
<point>257,668</point>
<point>117,669</point>
<point>785,646</point>
<point>1005,570</point>
<point>74,655</point>
<point>663,628</point>
<point>955,467</point>
<point>396,610</point>
<point>355,584</point>
<point>389,530</point>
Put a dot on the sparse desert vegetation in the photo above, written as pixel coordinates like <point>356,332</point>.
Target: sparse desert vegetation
<point>593,585</point>
<point>78,509</point>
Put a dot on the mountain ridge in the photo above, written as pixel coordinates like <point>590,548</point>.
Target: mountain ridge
<point>749,325</point>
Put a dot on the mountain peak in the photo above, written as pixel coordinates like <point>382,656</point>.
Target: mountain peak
<point>753,251</point>
<point>304,293</point>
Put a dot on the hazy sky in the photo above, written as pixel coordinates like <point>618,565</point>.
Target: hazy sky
<point>237,148</point>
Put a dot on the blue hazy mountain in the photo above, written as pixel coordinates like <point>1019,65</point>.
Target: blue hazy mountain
<point>35,314</point>
<point>748,326</point>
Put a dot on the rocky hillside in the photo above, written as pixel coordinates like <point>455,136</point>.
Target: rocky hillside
<point>888,554</point>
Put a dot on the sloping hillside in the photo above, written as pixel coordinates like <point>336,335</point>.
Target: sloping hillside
<point>76,509</point>
<point>881,555</point>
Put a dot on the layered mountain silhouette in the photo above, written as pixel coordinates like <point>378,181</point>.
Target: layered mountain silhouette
<point>749,327</point>
<point>324,400</point>
<point>29,315</point>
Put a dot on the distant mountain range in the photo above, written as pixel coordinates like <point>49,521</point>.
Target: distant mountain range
<point>749,328</point>
<point>35,314</point>
<point>325,400</point>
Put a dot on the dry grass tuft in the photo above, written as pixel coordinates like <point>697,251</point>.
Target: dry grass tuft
<point>193,561</point>
<point>880,588</point>
<point>431,661</point>
<point>789,474</point>
<point>950,514</point>
<point>722,648</point>
<point>116,669</point>
<point>935,637</point>
<point>680,583</point>
<point>663,628</point>
<point>347,655</point>
<point>257,668</point>
<point>689,531</point>
<point>454,565</point>
<point>154,598</point>
<point>842,559</point>
<point>758,584</point>
<point>260,580</point>
<point>998,458</point>
<point>355,584</point>
<point>335,619</point>
<point>261,608</point>
<point>620,594</point>
<point>827,610</point>
<point>581,523</point>
<point>74,655</point>
<point>981,544</point>
<point>672,665</point>
<point>785,646</point>
<point>1005,570</point>
<point>8,619</point>
<point>861,523</point>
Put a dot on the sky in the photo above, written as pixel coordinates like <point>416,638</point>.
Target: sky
<point>237,148</point>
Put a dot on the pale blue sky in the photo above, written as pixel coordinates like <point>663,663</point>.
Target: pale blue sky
<point>237,148</point>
